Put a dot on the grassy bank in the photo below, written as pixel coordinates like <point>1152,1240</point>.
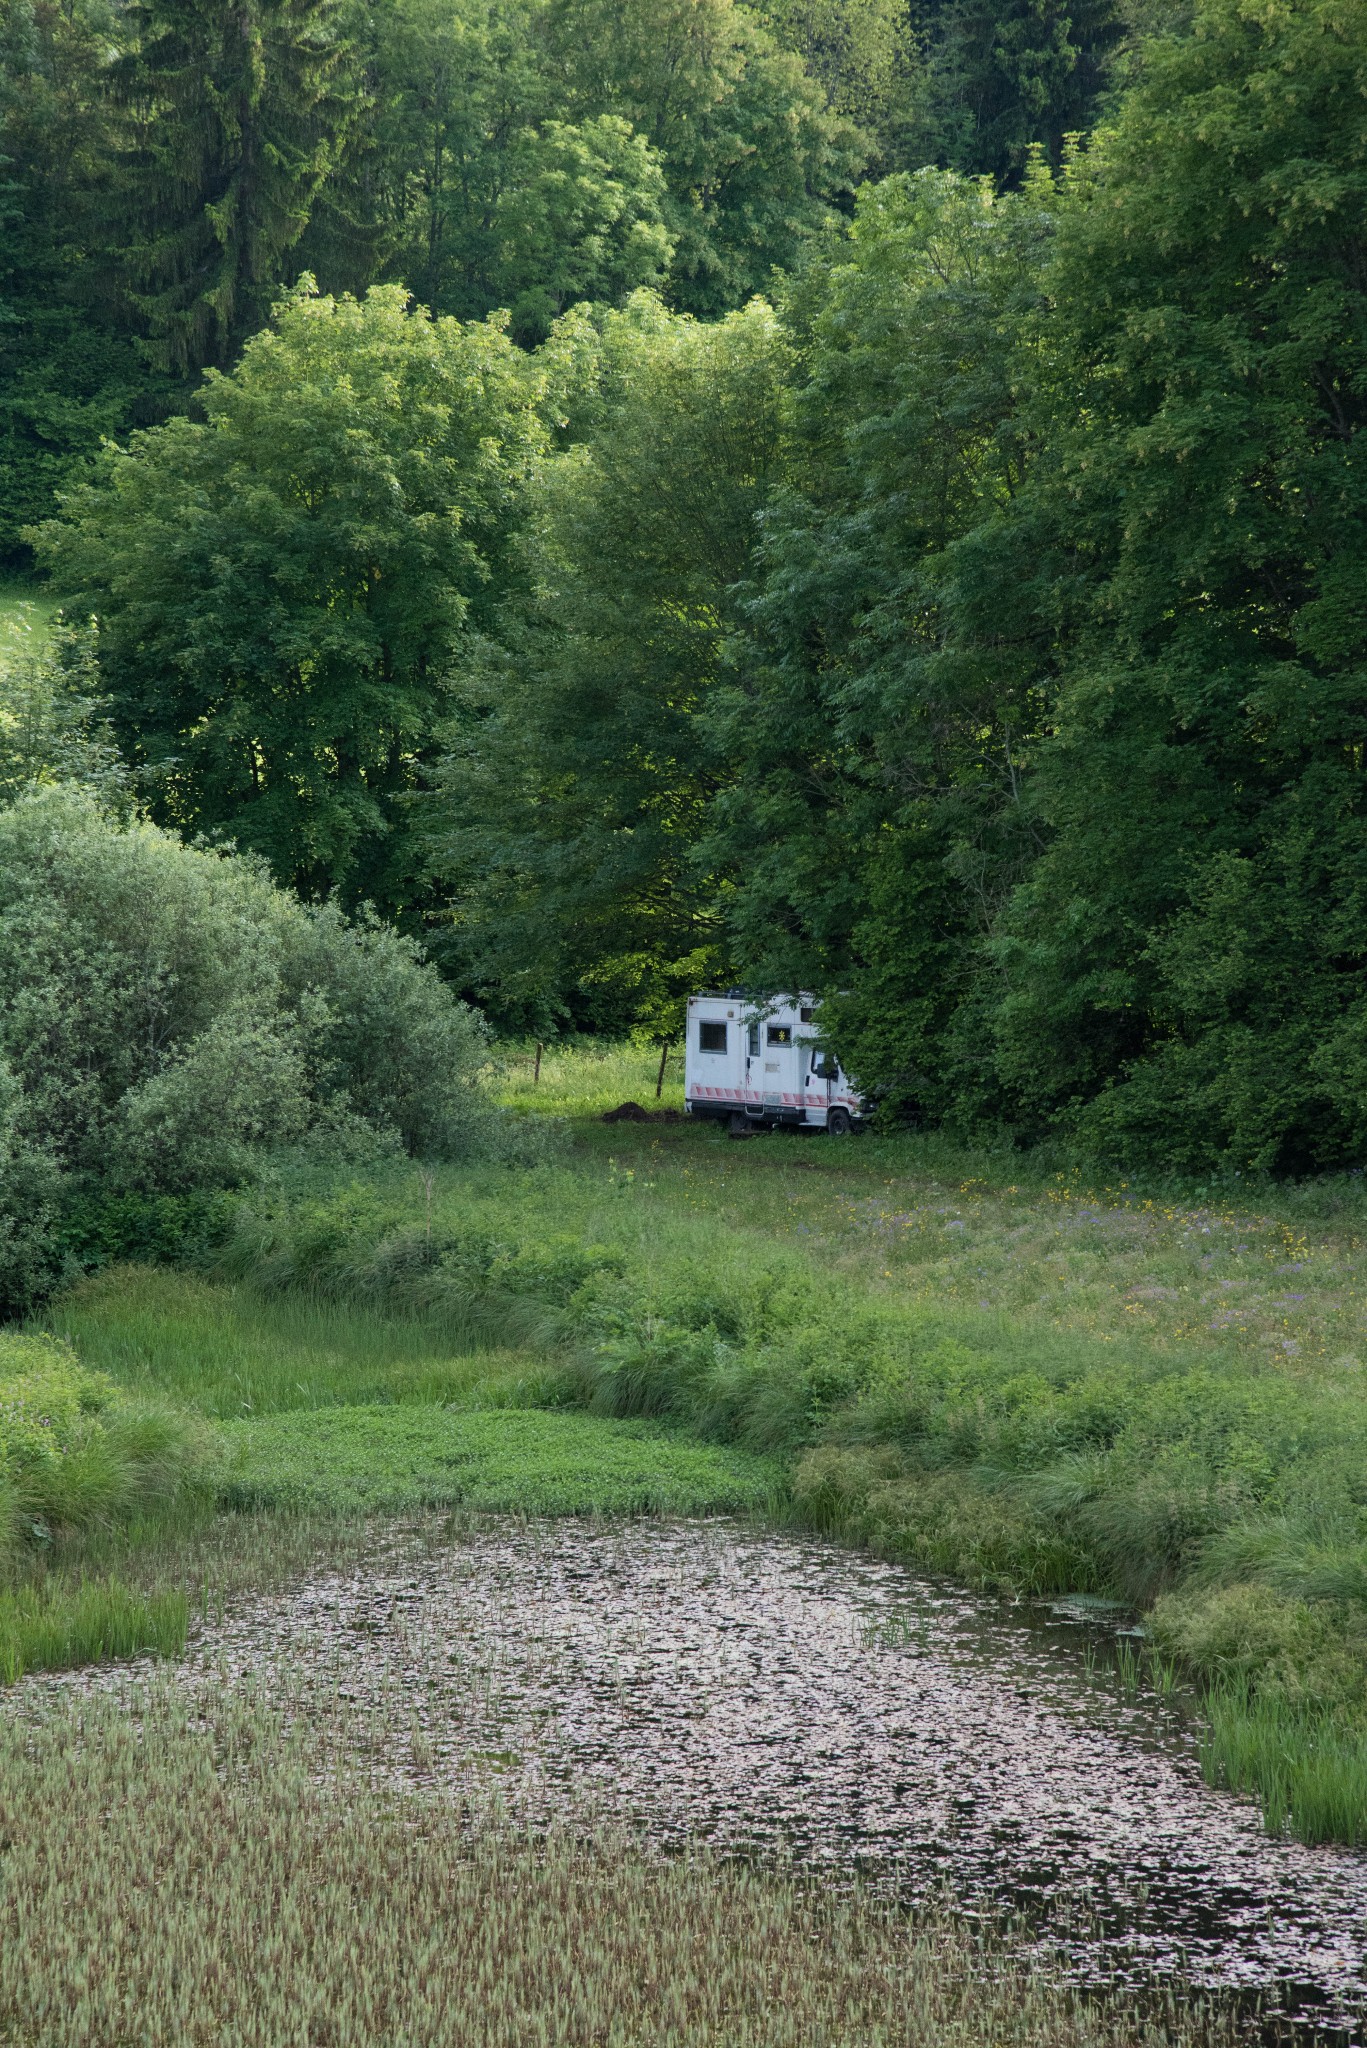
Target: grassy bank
<point>976,1366</point>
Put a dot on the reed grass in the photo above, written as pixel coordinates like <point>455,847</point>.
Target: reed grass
<point>230,1351</point>
<point>248,1883</point>
<point>53,1627</point>
<point>1308,1771</point>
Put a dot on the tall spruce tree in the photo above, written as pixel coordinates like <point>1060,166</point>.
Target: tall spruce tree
<point>1003,75</point>
<point>232,119</point>
<point>69,373</point>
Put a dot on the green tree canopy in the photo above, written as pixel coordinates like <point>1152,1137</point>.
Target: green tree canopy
<point>579,775</point>
<point>881,812</point>
<point>532,153</point>
<point>69,373</point>
<point>1002,75</point>
<point>281,586</point>
<point>1186,968</point>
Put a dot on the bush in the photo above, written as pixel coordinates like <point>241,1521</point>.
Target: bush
<point>167,1015</point>
<point>76,1454</point>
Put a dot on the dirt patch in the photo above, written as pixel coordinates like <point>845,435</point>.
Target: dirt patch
<point>633,1113</point>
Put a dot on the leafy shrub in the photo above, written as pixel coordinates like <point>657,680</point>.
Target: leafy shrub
<point>167,1015</point>
<point>95,1228</point>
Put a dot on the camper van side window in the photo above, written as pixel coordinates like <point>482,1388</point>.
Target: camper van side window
<point>754,1040</point>
<point>779,1034</point>
<point>711,1037</point>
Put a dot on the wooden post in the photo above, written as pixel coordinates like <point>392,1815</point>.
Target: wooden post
<point>660,1077</point>
<point>536,1071</point>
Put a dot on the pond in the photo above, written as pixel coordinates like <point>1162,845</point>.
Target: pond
<point>774,1696</point>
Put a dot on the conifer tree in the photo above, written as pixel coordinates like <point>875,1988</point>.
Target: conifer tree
<point>1001,75</point>
<point>232,119</point>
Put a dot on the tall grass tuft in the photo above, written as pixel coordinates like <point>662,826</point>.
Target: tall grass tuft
<point>1309,1771</point>
<point>76,1453</point>
<point>53,1626</point>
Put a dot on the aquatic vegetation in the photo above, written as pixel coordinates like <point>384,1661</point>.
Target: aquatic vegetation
<point>252,1881</point>
<point>389,1460</point>
<point>54,1625</point>
<point>1309,1771</point>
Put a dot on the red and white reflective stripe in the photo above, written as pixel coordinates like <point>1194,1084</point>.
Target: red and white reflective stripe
<point>700,1093</point>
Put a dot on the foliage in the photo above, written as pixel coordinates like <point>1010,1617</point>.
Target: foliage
<point>228,125</point>
<point>752,160</point>
<point>372,1460</point>
<point>880,814</point>
<point>54,723</point>
<point>863,54</point>
<point>475,187</point>
<point>168,168</point>
<point>576,782</point>
<point>281,585</point>
<point>1048,766</point>
<point>167,1013</point>
<point>1003,76</point>
<point>1184,969</point>
<point>68,373</point>
<point>76,1453</point>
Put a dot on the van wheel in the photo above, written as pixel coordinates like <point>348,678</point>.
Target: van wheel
<point>740,1125</point>
<point>838,1124</point>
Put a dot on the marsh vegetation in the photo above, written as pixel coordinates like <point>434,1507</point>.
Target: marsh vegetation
<point>254,1880</point>
<point>545,506</point>
<point>884,1342</point>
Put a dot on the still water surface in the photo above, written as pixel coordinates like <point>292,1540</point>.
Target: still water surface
<point>767,1694</point>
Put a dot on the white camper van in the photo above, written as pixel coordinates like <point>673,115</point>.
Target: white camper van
<point>751,1064</point>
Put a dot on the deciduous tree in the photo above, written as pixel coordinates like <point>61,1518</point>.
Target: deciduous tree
<point>281,586</point>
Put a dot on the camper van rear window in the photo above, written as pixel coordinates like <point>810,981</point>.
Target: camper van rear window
<point>779,1034</point>
<point>711,1037</point>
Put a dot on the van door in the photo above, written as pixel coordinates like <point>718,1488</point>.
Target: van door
<point>815,1087</point>
<point>780,1066</point>
<point>754,1063</point>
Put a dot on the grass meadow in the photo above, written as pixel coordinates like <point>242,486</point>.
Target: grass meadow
<point>26,614</point>
<point>979,1364</point>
